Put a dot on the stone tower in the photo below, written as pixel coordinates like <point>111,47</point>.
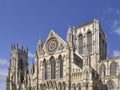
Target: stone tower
<point>18,68</point>
<point>91,41</point>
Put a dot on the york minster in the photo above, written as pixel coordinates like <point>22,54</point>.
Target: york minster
<point>78,63</point>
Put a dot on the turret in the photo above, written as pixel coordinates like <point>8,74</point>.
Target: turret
<point>39,46</point>
<point>69,37</point>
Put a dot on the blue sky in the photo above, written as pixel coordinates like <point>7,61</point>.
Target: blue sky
<point>25,21</point>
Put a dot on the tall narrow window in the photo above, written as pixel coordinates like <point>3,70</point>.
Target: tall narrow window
<point>102,70</point>
<point>79,87</point>
<point>45,69</point>
<point>60,86</point>
<point>74,87</point>
<point>61,67</point>
<point>64,87</point>
<point>80,43</point>
<point>53,68</point>
<point>44,87</point>
<point>113,68</point>
<point>89,42</point>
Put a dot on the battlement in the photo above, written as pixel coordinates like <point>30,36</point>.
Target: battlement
<point>15,47</point>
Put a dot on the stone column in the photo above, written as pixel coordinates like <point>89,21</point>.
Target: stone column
<point>10,85</point>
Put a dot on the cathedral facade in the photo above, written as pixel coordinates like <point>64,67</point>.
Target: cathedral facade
<point>78,63</point>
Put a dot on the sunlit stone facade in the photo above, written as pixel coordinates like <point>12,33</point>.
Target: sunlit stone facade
<point>78,63</point>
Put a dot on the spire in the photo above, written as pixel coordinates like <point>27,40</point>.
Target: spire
<point>69,30</point>
<point>69,34</point>
<point>39,46</point>
<point>17,45</point>
<point>40,42</point>
<point>69,37</point>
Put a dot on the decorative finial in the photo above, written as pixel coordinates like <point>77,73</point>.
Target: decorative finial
<point>69,30</point>
<point>40,41</point>
<point>17,45</point>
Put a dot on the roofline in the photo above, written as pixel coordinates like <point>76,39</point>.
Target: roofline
<point>82,25</point>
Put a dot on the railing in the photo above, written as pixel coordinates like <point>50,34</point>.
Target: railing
<point>76,75</point>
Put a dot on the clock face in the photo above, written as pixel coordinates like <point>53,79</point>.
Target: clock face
<point>52,45</point>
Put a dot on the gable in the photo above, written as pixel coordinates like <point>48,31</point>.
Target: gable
<point>54,43</point>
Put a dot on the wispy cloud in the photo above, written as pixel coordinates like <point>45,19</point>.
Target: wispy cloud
<point>3,61</point>
<point>105,13</point>
<point>2,86</point>
<point>116,23</point>
<point>112,16</point>
<point>31,55</point>
<point>116,53</point>
<point>3,74</point>
<point>108,10</point>
<point>118,12</point>
<point>116,26</point>
<point>117,30</point>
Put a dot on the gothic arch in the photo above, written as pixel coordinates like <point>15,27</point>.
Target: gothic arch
<point>59,86</point>
<point>80,43</point>
<point>54,84</point>
<point>45,69</point>
<point>41,87</point>
<point>79,86</point>
<point>113,68</point>
<point>44,86</point>
<point>50,84</point>
<point>89,41</point>
<point>52,67</point>
<point>60,60</point>
<point>110,84</point>
<point>63,86</point>
<point>73,86</point>
<point>102,70</point>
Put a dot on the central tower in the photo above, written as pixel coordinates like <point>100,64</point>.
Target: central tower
<point>91,41</point>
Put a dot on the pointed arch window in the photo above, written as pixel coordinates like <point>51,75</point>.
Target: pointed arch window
<point>79,87</point>
<point>102,70</point>
<point>44,87</point>
<point>53,68</point>
<point>61,67</point>
<point>113,68</point>
<point>74,87</point>
<point>45,69</point>
<point>80,43</point>
<point>89,42</point>
<point>60,86</point>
